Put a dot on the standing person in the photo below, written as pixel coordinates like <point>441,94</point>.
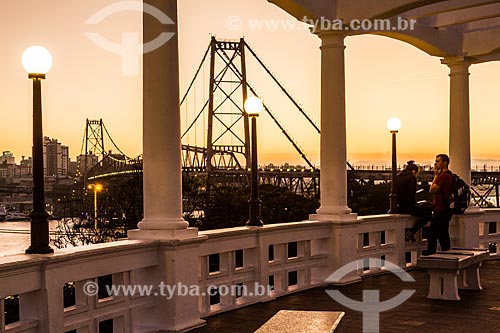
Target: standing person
<point>441,188</point>
<point>407,204</point>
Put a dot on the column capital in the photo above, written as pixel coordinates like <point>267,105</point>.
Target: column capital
<point>457,64</point>
<point>332,39</point>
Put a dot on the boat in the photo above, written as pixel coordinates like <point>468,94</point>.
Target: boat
<point>16,216</point>
<point>3,213</point>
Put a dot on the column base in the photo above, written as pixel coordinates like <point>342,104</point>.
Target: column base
<point>163,234</point>
<point>338,217</point>
<point>334,213</point>
<point>333,210</point>
<point>163,224</point>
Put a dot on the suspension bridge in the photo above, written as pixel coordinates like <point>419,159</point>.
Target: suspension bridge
<point>215,136</point>
<point>215,133</point>
<point>299,180</point>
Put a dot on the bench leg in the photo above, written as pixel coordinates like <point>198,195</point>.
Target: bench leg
<point>469,278</point>
<point>443,284</point>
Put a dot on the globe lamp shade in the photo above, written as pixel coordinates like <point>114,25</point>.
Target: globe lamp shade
<point>394,124</point>
<point>253,106</point>
<point>37,60</point>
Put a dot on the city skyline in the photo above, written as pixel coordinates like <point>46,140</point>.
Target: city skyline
<point>384,78</point>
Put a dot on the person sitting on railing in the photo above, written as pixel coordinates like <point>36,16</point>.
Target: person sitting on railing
<point>407,204</point>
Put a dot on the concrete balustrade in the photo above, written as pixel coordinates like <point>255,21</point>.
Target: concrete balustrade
<point>291,257</point>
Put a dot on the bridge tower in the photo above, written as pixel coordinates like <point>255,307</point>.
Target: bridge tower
<point>225,124</point>
<point>94,141</point>
<point>228,82</point>
<point>227,129</point>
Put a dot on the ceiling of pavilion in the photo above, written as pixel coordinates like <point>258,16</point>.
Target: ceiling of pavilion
<point>443,28</point>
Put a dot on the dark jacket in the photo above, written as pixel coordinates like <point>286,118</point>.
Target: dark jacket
<point>406,189</point>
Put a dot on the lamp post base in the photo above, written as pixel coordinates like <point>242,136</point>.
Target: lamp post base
<point>254,216</point>
<point>39,233</point>
<point>393,206</point>
<point>257,223</point>
<point>39,250</point>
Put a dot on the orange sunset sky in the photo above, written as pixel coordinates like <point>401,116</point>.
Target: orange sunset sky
<point>384,78</point>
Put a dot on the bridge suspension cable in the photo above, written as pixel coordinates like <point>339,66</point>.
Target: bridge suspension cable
<point>196,74</point>
<point>277,122</point>
<point>126,158</point>
<point>308,117</point>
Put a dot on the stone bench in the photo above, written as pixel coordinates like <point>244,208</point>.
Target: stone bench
<point>451,270</point>
<point>286,321</point>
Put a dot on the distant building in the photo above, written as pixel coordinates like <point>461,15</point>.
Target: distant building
<point>8,169</point>
<point>7,158</point>
<point>111,158</point>
<point>73,168</point>
<point>4,171</point>
<point>15,171</point>
<point>26,167</point>
<point>91,160</point>
<point>26,162</point>
<point>55,158</point>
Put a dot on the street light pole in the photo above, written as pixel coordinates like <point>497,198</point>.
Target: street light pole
<point>393,124</point>
<point>95,206</point>
<point>96,188</point>
<point>253,106</point>
<point>37,61</point>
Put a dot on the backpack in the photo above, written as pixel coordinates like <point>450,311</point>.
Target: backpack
<point>459,198</point>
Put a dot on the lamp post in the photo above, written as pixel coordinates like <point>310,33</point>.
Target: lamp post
<point>96,188</point>
<point>37,61</point>
<point>253,106</point>
<point>393,124</point>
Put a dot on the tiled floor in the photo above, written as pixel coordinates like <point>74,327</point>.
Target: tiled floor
<point>477,311</point>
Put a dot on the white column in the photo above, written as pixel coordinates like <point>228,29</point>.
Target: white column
<point>333,154</point>
<point>161,126</point>
<point>459,140</point>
